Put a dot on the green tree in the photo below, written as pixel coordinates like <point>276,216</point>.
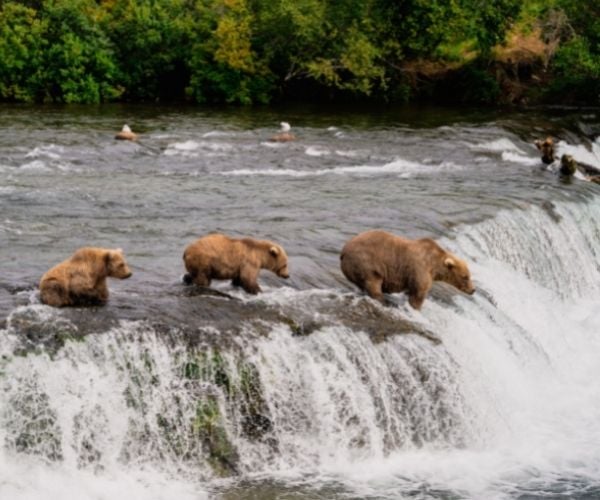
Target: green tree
<point>224,65</point>
<point>151,39</point>
<point>77,64</point>
<point>21,48</point>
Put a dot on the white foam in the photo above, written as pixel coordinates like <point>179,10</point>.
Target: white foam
<point>194,149</point>
<point>401,167</point>
<point>316,151</point>
<point>497,146</point>
<point>25,478</point>
<point>183,146</point>
<point>217,133</point>
<point>580,152</point>
<point>35,166</point>
<point>51,151</point>
<point>519,158</point>
<point>348,154</point>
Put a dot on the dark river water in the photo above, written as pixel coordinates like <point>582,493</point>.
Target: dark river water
<point>487,397</point>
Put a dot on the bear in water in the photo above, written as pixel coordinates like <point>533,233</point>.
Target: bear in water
<point>380,262</point>
<point>81,279</point>
<point>220,257</point>
<point>546,147</point>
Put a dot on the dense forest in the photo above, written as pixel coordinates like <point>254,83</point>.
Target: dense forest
<point>260,51</point>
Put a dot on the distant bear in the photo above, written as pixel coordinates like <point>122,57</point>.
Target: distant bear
<point>569,166</point>
<point>546,147</point>
<point>81,279</point>
<point>217,256</point>
<point>379,262</point>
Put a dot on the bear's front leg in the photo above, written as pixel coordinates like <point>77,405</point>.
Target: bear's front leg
<point>417,291</point>
<point>248,280</point>
<point>85,293</point>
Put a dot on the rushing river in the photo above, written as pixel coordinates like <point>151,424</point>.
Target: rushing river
<point>309,390</point>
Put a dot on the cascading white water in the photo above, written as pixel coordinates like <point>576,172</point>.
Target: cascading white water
<point>509,401</point>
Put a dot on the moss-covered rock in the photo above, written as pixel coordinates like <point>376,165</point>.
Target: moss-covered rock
<point>208,427</point>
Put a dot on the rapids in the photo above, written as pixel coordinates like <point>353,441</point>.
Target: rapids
<point>309,390</point>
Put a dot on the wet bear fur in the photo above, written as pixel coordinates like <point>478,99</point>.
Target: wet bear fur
<point>220,257</point>
<point>81,279</point>
<point>379,262</point>
<point>546,147</point>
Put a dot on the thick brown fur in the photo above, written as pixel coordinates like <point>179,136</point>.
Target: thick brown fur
<point>81,279</point>
<point>379,262</point>
<point>546,147</point>
<point>220,257</point>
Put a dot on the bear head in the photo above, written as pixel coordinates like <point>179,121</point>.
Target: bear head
<point>278,261</point>
<point>456,273</point>
<point>116,267</point>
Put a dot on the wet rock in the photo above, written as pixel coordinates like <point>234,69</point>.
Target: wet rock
<point>550,209</point>
<point>256,423</point>
<point>32,424</point>
<point>222,455</point>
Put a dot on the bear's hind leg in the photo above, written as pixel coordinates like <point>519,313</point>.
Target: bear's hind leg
<point>53,294</point>
<point>373,286</point>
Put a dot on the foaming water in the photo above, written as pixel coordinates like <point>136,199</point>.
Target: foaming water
<point>402,167</point>
<point>309,389</point>
<point>589,155</point>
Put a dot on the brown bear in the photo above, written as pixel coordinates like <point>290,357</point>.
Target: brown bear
<point>546,147</point>
<point>81,279</point>
<point>379,262</point>
<point>217,256</point>
<point>569,166</point>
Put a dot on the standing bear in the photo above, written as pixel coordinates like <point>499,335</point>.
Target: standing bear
<point>219,257</point>
<point>379,262</point>
<point>81,279</point>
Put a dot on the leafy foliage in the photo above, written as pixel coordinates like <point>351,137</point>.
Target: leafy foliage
<point>254,51</point>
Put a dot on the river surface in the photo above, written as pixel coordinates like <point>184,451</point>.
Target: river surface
<point>309,390</point>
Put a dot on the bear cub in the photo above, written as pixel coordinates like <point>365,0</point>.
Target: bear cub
<point>220,257</point>
<point>379,262</point>
<point>81,279</point>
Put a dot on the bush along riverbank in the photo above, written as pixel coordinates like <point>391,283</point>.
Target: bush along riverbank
<point>259,51</point>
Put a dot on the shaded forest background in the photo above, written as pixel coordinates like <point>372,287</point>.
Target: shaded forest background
<point>261,51</point>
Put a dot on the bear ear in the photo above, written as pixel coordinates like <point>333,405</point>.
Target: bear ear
<point>274,251</point>
<point>449,262</point>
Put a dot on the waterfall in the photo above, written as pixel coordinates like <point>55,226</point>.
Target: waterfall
<point>509,397</point>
